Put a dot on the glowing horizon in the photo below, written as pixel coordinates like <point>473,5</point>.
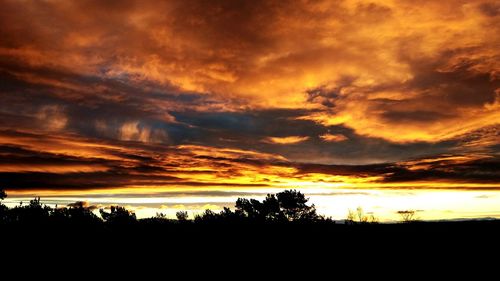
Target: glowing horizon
<point>333,203</point>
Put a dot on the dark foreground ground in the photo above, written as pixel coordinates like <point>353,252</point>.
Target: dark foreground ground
<point>480,235</point>
<point>279,238</point>
<point>289,249</point>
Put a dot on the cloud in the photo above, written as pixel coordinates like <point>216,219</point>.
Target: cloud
<point>52,117</point>
<point>445,97</point>
<point>141,94</point>
<point>82,204</point>
<point>373,67</point>
<point>458,168</point>
<point>286,140</point>
<point>134,131</point>
<point>66,163</point>
<point>333,137</point>
<point>486,139</point>
<point>248,128</point>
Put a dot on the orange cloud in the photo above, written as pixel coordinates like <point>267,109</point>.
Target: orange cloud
<point>52,118</point>
<point>333,137</point>
<point>269,54</point>
<point>89,165</point>
<point>422,72</point>
<point>286,140</point>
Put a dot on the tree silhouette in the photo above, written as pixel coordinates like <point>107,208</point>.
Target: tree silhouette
<point>289,205</point>
<point>271,208</point>
<point>3,195</point>
<point>293,205</point>
<point>249,208</point>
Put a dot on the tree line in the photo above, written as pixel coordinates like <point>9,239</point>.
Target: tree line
<point>289,206</point>
<point>284,207</point>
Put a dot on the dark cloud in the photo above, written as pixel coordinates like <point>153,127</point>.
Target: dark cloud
<point>491,9</point>
<point>484,170</point>
<point>327,96</point>
<point>454,80</point>
<point>439,169</point>
<point>351,170</point>
<point>414,116</point>
<point>82,204</point>
<point>100,180</point>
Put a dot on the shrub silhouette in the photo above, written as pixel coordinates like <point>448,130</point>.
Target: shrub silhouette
<point>408,216</point>
<point>3,208</point>
<point>158,219</point>
<point>182,216</point>
<point>76,213</point>
<point>206,216</point>
<point>359,216</point>
<point>33,213</point>
<point>118,216</point>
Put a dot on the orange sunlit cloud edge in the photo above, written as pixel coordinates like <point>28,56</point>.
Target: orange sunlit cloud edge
<point>64,163</point>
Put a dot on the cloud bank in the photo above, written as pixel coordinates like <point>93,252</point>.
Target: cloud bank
<point>102,94</point>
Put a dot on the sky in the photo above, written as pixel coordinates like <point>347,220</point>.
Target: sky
<point>167,105</point>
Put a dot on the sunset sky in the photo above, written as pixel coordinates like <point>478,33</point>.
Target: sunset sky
<point>185,105</point>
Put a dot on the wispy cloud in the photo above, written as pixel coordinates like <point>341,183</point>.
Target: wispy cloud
<point>286,140</point>
<point>333,137</point>
<point>66,163</point>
